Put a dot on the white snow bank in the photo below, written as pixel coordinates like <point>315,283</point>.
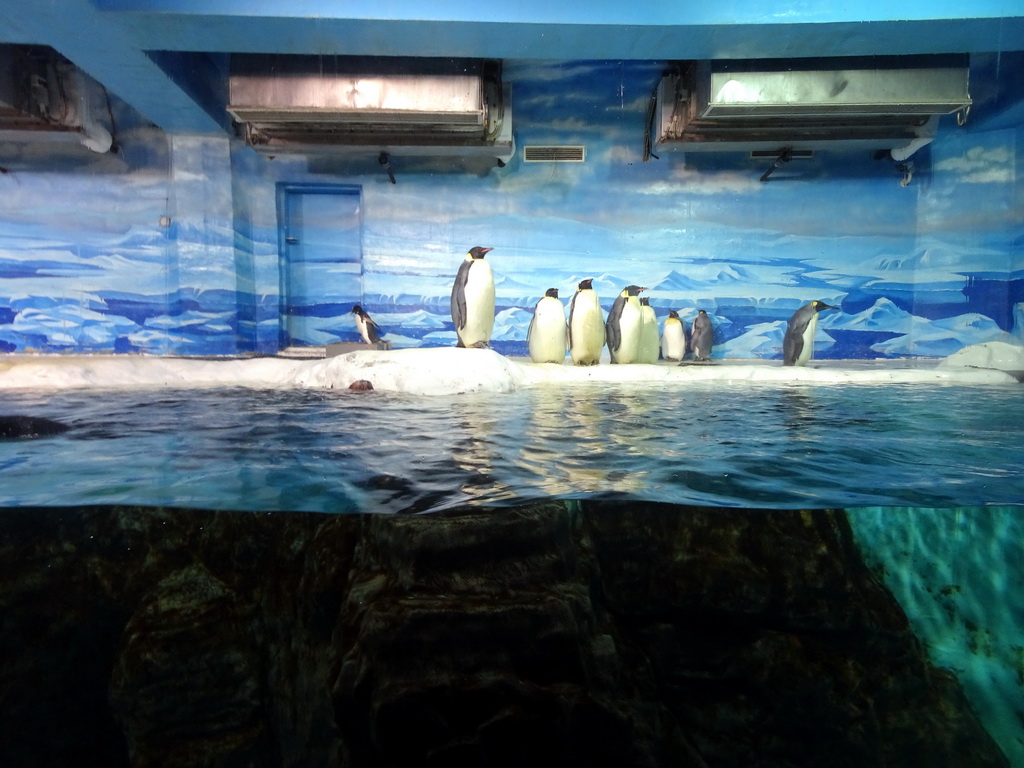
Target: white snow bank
<point>444,371</point>
<point>994,354</point>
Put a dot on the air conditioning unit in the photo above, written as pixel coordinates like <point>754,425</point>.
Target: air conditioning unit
<point>880,103</point>
<point>45,99</point>
<point>351,105</point>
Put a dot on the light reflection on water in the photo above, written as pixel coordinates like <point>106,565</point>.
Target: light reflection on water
<point>346,452</point>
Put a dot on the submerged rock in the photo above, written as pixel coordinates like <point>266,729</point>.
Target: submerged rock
<point>19,427</point>
<point>556,633</point>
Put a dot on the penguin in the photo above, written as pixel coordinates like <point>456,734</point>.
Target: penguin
<point>368,329</point>
<point>648,333</point>
<point>622,329</point>
<point>546,336</point>
<point>473,300</point>
<point>673,337</point>
<point>702,336</point>
<point>586,325</point>
<point>798,344</point>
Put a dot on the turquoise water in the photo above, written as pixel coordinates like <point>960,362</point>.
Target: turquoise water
<point>341,452</point>
<point>932,476</point>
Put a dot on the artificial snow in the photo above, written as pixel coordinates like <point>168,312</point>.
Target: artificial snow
<point>448,370</point>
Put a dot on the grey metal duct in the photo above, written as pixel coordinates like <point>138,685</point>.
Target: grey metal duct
<point>342,105</point>
<point>881,103</point>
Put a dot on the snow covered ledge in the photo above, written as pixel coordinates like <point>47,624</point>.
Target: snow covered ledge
<point>447,370</point>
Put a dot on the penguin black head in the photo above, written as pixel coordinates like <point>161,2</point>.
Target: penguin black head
<point>645,302</point>
<point>478,252</point>
<point>552,292</point>
<point>701,312</point>
<point>586,285</point>
<point>673,313</point>
<point>357,310</point>
<point>820,305</point>
<point>634,290</point>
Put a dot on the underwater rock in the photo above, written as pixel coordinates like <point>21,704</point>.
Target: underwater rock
<point>551,634</point>
<point>19,427</point>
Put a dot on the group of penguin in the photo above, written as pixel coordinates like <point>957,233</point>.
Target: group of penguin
<point>630,330</point>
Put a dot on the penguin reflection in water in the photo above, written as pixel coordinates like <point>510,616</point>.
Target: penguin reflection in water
<point>623,326</point>
<point>546,336</point>
<point>798,344</point>
<point>473,300</point>
<point>586,325</point>
<point>702,337</point>
<point>368,329</point>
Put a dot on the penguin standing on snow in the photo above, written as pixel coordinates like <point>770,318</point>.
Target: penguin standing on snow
<point>473,300</point>
<point>702,336</point>
<point>673,337</point>
<point>648,333</point>
<point>546,336</point>
<point>586,325</point>
<point>368,329</point>
<point>623,326</point>
<point>798,344</point>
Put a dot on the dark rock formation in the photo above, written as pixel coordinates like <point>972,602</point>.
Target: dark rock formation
<point>559,633</point>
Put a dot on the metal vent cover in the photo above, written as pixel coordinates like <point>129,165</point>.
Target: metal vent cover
<point>554,153</point>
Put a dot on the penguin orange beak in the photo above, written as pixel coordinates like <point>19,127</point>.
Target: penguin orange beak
<point>486,250</point>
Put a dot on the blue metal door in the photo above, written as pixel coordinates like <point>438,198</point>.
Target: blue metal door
<point>321,262</point>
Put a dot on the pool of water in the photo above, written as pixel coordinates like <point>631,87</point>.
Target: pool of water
<point>344,452</point>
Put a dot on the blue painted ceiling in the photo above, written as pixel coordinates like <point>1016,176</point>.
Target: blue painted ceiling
<point>167,58</point>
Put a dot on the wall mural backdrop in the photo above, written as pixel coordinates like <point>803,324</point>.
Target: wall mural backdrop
<point>172,246</point>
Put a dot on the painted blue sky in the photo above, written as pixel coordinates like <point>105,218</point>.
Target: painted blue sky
<point>698,229</point>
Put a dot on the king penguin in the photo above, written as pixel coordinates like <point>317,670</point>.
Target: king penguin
<point>673,337</point>
<point>586,325</point>
<point>648,333</point>
<point>473,300</point>
<point>546,336</point>
<point>623,326</point>
<point>368,329</point>
<point>798,344</point>
<point>702,336</point>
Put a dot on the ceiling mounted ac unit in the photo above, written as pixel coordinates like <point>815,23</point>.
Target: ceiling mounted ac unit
<point>881,103</point>
<point>349,105</point>
<point>46,99</point>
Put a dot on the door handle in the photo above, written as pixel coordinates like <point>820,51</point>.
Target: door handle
<point>292,240</point>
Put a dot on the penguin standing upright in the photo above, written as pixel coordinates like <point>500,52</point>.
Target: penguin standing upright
<point>798,344</point>
<point>473,300</point>
<point>673,337</point>
<point>586,325</point>
<point>702,336</point>
<point>546,336</point>
<point>368,329</point>
<point>648,333</point>
<point>623,326</point>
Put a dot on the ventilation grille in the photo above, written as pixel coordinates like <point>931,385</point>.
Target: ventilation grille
<point>575,153</point>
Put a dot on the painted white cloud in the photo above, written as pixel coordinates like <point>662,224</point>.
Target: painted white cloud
<point>980,165</point>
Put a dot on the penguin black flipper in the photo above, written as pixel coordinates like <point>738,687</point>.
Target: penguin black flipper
<point>572,310</point>
<point>459,295</point>
<point>373,331</point>
<point>792,346</point>
<point>611,326</point>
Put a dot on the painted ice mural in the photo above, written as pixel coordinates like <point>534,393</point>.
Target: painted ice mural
<point>923,270</point>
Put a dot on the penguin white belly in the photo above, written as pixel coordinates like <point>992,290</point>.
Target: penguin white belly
<point>673,340</point>
<point>630,321</point>
<point>547,332</point>
<point>648,352</point>
<point>479,293</point>
<point>808,336</point>
<point>587,329</point>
